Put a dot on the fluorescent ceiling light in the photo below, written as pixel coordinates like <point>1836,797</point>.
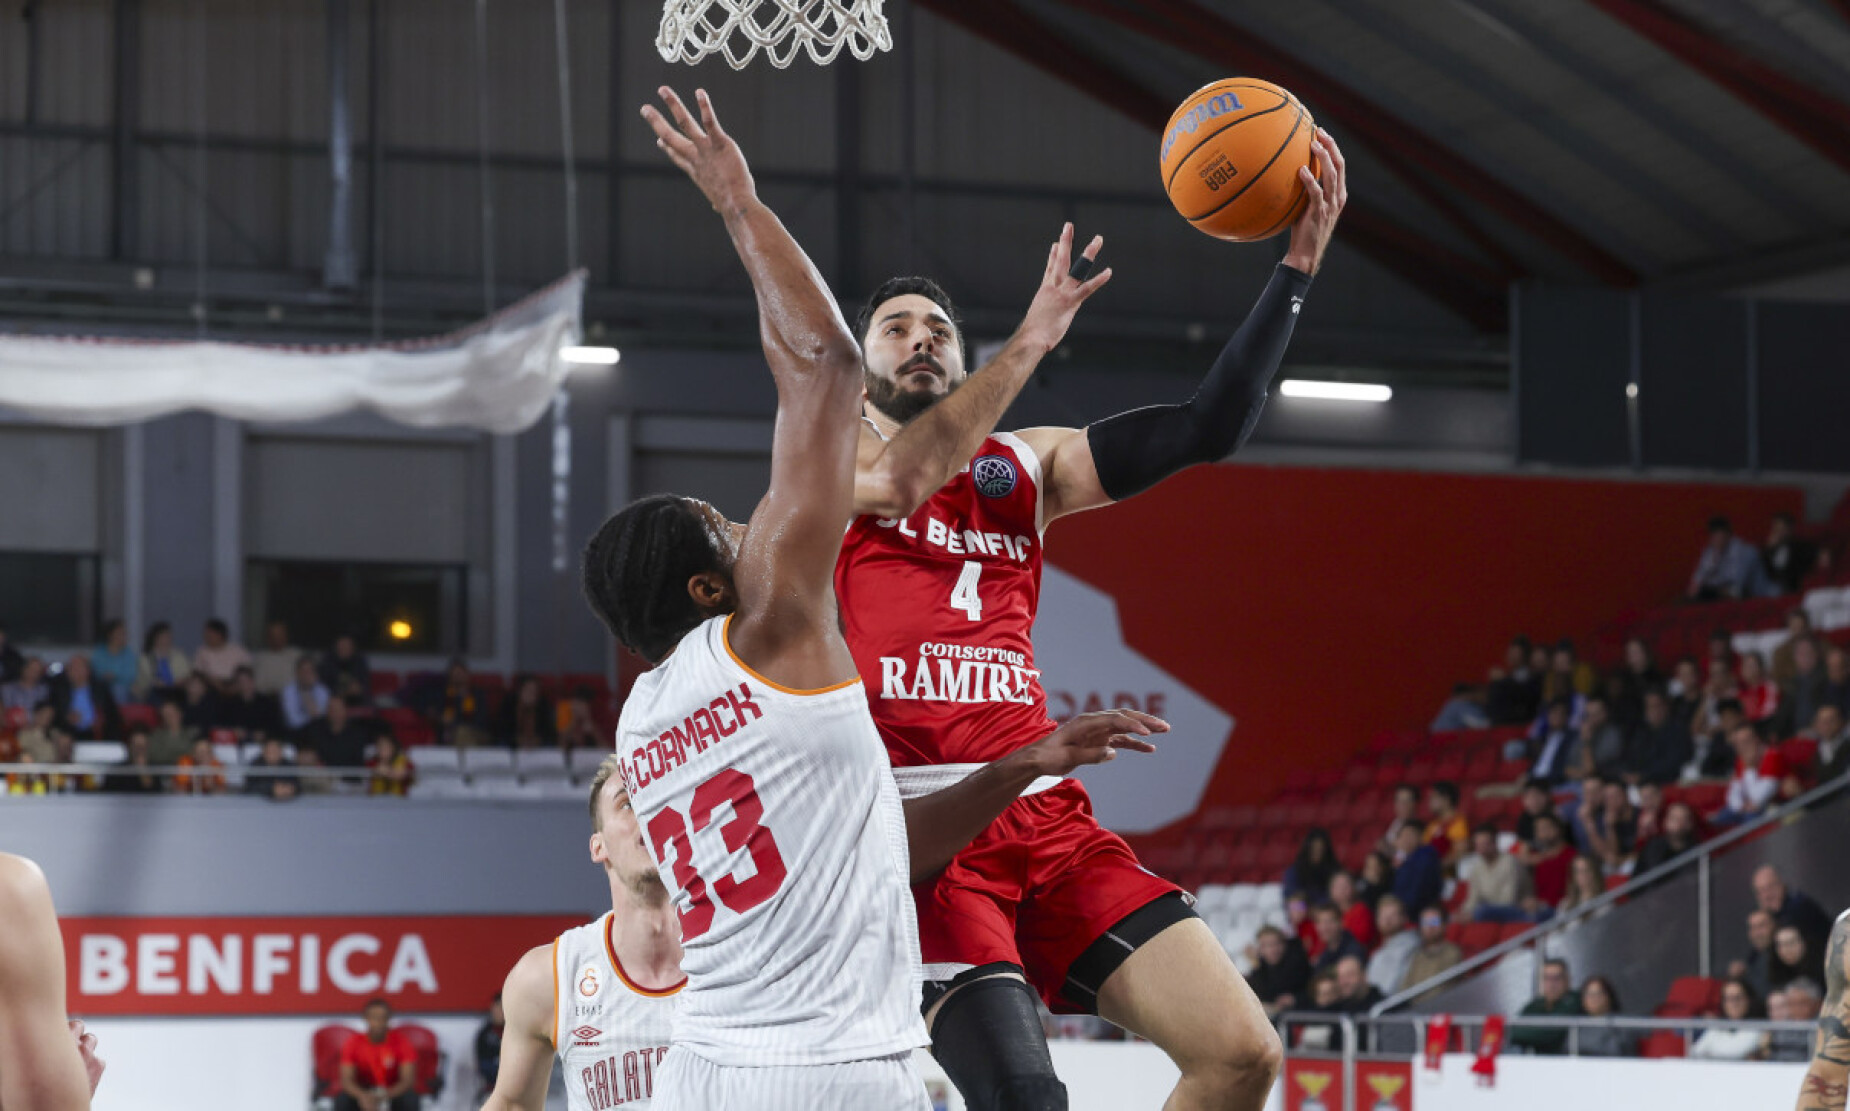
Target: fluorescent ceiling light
<point>590,356</point>
<point>1334,391</point>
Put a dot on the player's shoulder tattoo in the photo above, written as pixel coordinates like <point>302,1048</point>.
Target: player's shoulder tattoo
<point>1834,1018</point>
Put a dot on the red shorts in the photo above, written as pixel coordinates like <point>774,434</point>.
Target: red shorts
<point>1035,889</point>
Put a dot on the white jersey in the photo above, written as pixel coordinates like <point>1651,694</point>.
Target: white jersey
<point>610,1034</point>
<point>775,824</point>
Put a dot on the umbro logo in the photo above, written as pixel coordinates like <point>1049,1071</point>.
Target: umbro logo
<point>587,1035</point>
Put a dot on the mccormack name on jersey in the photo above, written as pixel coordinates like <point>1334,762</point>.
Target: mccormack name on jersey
<point>960,673</point>
<point>719,719</point>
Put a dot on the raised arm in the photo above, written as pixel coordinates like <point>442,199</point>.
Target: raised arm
<point>785,569</point>
<point>1126,454</point>
<point>1826,1080</point>
<point>894,477</point>
<point>526,1045</point>
<point>43,1063</point>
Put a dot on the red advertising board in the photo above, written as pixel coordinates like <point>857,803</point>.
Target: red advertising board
<point>1317,1085</point>
<point>293,966</point>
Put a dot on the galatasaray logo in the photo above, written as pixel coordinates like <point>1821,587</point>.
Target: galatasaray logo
<point>994,476</point>
<point>587,984</point>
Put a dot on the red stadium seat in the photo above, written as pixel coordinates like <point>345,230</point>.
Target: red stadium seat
<point>1696,995</point>
<point>17,717</point>
<point>1705,798</point>
<point>385,684</point>
<point>1357,776</point>
<point>1479,936</point>
<point>1662,1044</point>
<point>139,715</point>
<point>1215,817</point>
<point>325,1046</point>
<point>1512,930</point>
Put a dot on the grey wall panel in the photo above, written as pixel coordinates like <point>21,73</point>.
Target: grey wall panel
<point>1574,354</point>
<point>75,38</point>
<point>233,856</point>
<point>337,500</point>
<point>177,522</point>
<point>1804,387</point>
<point>1693,382</point>
<point>54,198</point>
<point>250,69</point>
<point>62,470</point>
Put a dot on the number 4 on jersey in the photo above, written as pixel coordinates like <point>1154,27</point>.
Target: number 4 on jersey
<point>964,596</point>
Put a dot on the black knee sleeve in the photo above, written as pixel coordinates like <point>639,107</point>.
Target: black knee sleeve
<point>989,1039</point>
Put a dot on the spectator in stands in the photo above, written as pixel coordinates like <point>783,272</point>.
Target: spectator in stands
<point>1629,684</point>
<point>1712,753</point>
<point>1585,883</point>
<point>346,672</point>
<point>1358,917</point>
<point>277,787</point>
<point>274,663</point>
<point>1436,953</point>
<point>1419,874</point>
<point>1833,736</point>
<point>1740,1003</point>
<point>1297,917</point>
<point>1800,1002</point>
<point>34,739</point>
<point>1557,748</point>
<point>85,706</point>
<point>1536,801</point>
<point>391,768</point>
<point>1793,958</point>
<point>1568,675</point>
<point>131,776</point>
<point>1729,566</point>
<point>1648,800</point>
<point>1376,880</point>
<point>1515,691</point>
<point>207,778</point>
<point>336,739</point>
<point>1599,999</point>
<point>1790,907</point>
<point>578,726</point>
<point>1309,874</point>
<point>1464,710</point>
<point>247,711</point>
<point>1387,967</point>
<point>1600,747</point>
<point>1498,884</point>
<point>488,1044</point>
<point>1281,971</point>
<point>115,662</point>
<point>461,717</point>
<point>198,702</point>
<point>1557,999</point>
<point>1325,998</point>
<point>305,699</point>
<point>1787,559</point>
<point>163,667</point>
<point>1549,860</point>
<point>1355,995</point>
<point>1333,941</point>
<point>63,752</point>
<point>1757,967</point>
<point>29,689</point>
<point>378,1068</point>
<point>1785,659</point>
<point>1611,824</point>
<point>1406,812</point>
<point>10,660</point>
<point>174,738</point>
<point>1677,838</point>
<point>1759,694</point>
<point>1685,691</point>
<point>1447,831</point>
<point>1837,679</point>
<point>527,717</point>
<point>1804,693</point>
<point>1757,772</point>
<point>1722,661</point>
<point>220,657</point>
<point>1660,744</point>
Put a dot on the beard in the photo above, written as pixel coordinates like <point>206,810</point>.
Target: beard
<point>886,395</point>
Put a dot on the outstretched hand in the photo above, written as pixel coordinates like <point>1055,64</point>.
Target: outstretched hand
<point>86,1048</point>
<point>1328,188</point>
<point>702,149</point>
<point>1061,294</point>
<point>1094,738</point>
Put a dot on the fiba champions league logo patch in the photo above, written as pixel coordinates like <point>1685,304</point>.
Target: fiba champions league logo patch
<point>994,476</point>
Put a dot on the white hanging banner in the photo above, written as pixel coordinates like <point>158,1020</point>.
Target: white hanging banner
<point>498,375</point>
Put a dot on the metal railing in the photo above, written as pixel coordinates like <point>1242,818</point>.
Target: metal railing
<point>233,775</point>
<point>1700,857</point>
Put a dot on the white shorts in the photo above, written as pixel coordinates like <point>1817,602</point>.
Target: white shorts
<point>689,1082</point>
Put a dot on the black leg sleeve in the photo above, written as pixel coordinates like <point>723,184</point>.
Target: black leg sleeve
<point>1134,451</point>
<point>989,1039</point>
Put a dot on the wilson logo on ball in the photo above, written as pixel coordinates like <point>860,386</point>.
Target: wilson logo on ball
<point>1201,113</point>
<point>994,476</point>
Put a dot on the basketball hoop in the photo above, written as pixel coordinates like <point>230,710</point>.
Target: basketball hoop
<point>739,29</point>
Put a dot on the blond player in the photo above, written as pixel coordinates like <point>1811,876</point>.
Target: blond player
<point>602,996</point>
<point>47,1062</point>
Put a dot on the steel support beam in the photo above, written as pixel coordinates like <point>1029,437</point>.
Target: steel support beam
<point>1462,285</point>
<point>125,166</point>
<point>1803,112</point>
<point>848,179</point>
<point>1207,35</point>
<point>338,269</point>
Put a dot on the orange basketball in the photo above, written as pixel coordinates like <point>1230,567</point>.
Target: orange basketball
<point>1230,158</point>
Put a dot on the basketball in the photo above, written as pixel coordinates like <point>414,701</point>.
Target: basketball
<point>1230,159</point>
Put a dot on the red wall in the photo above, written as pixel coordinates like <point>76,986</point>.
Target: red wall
<point>1319,607</point>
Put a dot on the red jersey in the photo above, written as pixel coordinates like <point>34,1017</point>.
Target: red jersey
<point>939,607</point>
<point>377,1064</point>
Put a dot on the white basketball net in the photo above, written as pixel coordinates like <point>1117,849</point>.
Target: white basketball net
<point>739,29</point>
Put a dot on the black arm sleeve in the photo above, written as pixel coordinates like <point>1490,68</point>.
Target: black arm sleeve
<point>1134,451</point>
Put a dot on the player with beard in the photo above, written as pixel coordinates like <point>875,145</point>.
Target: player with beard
<point>939,580</point>
<point>602,996</point>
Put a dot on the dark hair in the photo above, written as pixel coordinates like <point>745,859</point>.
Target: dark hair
<point>636,569</point>
<point>1565,644</point>
<point>900,287</point>
<point>1315,875</point>
<point>1521,640</point>
<point>1728,704</point>
<point>1408,787</point>
<point>109,627</point>
<point>219,627</point>
<point>1800,613</point>
<point>154,631</point>
<point>1612,993</point>
<point>1720,524</point>
<point>1561,704</point>
<point>242,671</point>
<point>1785,518</point>
<point>43,704</point>
<point>1268,928</point>
<point>375,1001</point>
<point>1447,790</point>
<point>1327,908</point>
<point>1756,1007</point>
<point>1485,827</point>
<point>1556,962</point>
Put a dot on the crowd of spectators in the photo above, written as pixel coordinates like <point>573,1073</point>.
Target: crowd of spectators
<point>285,706</point>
